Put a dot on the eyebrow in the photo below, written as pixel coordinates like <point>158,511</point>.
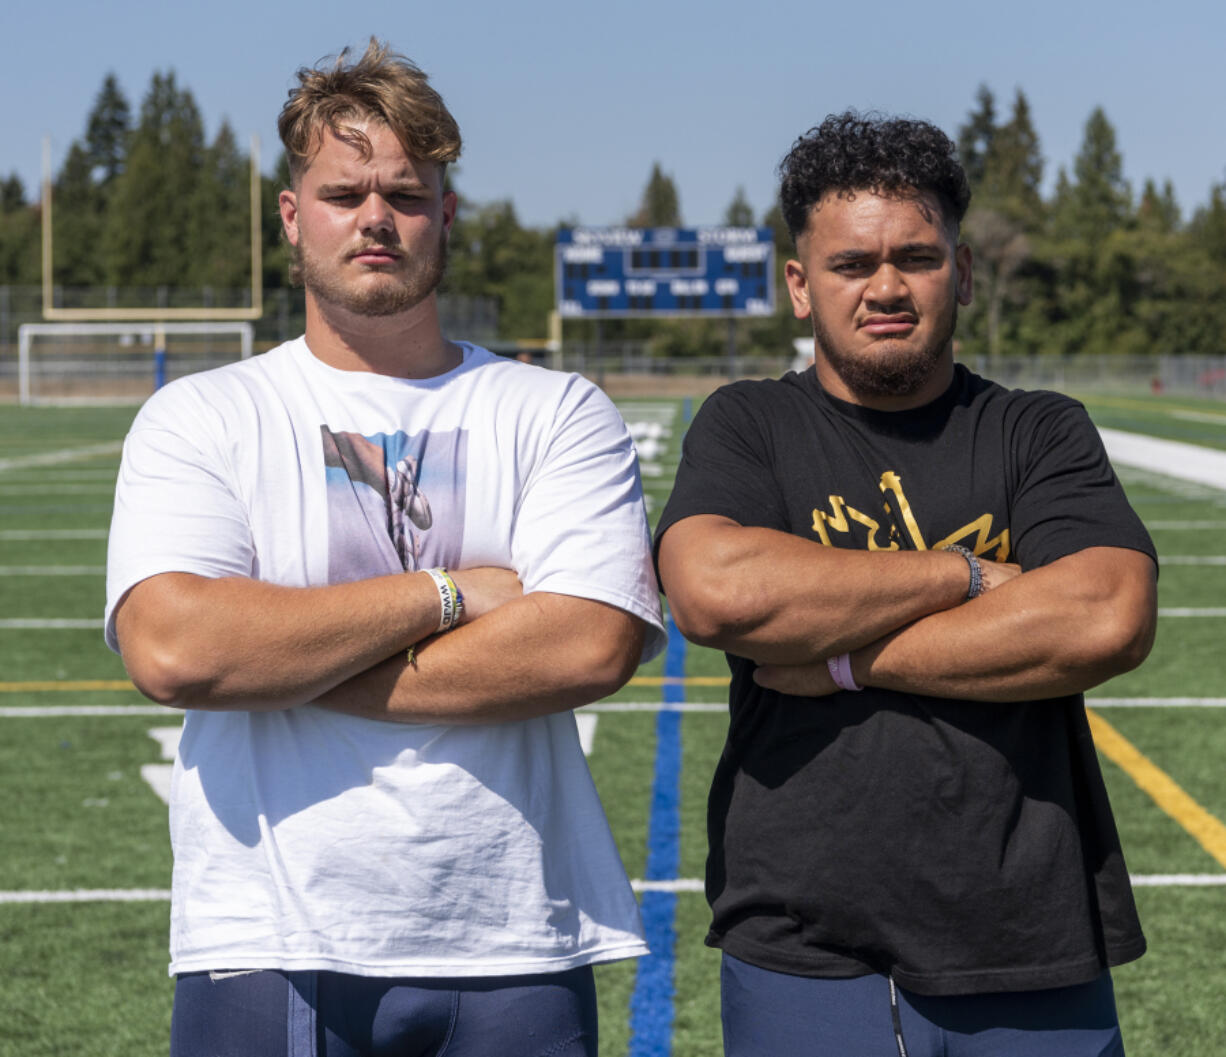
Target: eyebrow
<point>854,256</point>
<point>405,184</point>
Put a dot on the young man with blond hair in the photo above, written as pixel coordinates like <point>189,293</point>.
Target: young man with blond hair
<point>361,562</point>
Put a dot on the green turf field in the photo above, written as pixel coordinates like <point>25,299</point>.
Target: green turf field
<point>85,863</point>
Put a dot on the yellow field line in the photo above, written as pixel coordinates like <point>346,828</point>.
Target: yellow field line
<point>66,685</point>
<point>1207,830</point>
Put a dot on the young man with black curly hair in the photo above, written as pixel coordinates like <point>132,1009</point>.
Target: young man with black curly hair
<point>915,574</point>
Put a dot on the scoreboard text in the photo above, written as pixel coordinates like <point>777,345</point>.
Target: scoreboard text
<point>665,272</point>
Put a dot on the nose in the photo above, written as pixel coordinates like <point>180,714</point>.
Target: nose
<point>888,285</point>
<point>376,214</point>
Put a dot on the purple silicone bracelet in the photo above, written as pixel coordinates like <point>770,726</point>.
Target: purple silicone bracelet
<point>840,672</point>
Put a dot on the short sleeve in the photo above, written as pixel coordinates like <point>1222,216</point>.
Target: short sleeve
<point>1067,497</point>
<point>581,525</point>
<point>176,507</point>
<point>726,466</point>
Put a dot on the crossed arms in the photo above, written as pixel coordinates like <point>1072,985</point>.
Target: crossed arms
<point>789,603</point>
<point>234,643</point>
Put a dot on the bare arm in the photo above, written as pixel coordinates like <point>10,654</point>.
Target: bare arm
<point>195,642</point>
<point>781,599</point>
<point>1057,630</point>
<point>541,653</point>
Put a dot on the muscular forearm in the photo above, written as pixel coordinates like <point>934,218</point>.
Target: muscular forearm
<point>539,654</point>
<point>195,642</point>
<point>781,599</point>
<point>1057,630</point>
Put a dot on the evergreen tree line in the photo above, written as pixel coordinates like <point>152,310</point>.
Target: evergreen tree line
<point>146,200</point>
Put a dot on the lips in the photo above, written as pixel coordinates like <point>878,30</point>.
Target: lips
<point>375,255</point>
<point>898,323</point>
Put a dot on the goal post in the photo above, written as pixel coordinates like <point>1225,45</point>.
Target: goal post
<point>78,362</point>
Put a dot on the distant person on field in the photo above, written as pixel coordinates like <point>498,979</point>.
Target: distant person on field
<point>362,562</point>
<point>915,574</point>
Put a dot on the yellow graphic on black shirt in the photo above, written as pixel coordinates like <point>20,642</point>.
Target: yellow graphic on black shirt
<point>975,535</point>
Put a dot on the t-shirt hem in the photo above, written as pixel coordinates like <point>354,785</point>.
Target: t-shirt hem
<point>254,960</point>
<point>978,981</point>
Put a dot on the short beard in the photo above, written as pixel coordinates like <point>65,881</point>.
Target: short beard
<point>420,279</point>
<point>897,375</point>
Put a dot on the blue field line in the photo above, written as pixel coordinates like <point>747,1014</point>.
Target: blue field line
<point>651,1005</point>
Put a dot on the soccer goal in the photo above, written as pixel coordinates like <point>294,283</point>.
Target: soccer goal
<point>95,363</point>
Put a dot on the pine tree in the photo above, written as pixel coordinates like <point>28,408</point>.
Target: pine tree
<point>975,138</point>
<point>19,234</point>
<point>219,217</point>
<point>1013,169</point>
<point>78,209</point>
<point>145,236</point>
<point>739,213</point>
<point>1101,200</point>
<point>107,130</point>
<point>660,206</point>
<point>12,194</point>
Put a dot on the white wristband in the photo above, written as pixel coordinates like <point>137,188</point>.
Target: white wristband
<point>451,601</point>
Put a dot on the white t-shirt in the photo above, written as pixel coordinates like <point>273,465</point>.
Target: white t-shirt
<point>310,839</point>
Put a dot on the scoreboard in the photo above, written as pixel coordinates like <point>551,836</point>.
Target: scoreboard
<point>610,272</point>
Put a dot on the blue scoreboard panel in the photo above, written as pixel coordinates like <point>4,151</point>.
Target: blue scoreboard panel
<point>605,272</point>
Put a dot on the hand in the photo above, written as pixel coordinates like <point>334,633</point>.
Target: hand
<point>997,573</point>
<point>800,680</point>
<point>485,589</point>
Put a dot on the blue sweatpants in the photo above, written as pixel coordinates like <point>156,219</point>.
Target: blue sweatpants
<point>274,1013</point>
<point>769,1014</point>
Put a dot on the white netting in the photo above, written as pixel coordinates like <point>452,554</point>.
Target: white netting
<point>118,362</point>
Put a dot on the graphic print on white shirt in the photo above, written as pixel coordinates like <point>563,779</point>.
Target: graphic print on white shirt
<point>394,489</point>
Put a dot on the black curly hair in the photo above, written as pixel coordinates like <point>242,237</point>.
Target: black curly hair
<point>869,152</point>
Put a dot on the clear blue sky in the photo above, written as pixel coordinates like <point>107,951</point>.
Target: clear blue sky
<point>565,105</point>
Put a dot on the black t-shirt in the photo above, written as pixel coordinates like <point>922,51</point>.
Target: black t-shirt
<point>964,847</point>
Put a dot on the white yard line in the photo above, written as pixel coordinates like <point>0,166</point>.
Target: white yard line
<point>1184,526</point>
<point>57,489</point>
<point>1193,611</point>
<point>61,534</point>
<point>36,624</point>
<point>681,885</point>
<point>1156,702</point>
<point>51,458</point>
<point>1192,559</point>
<point>52,711</point>
<point>52,570</point>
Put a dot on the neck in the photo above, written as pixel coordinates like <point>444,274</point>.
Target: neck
<point>934,385</point>
<point>409,344</point>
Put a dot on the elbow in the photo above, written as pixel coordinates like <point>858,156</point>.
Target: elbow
<point>1119,642</point>
<point>604,663</point>
<point>1133,639</point>
<point>719,615</point>
<point>163,675</point>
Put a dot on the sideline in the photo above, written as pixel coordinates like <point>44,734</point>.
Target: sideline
<point>1171,458</point>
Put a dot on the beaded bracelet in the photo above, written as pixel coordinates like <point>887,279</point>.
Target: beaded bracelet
<point>976,586</point>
